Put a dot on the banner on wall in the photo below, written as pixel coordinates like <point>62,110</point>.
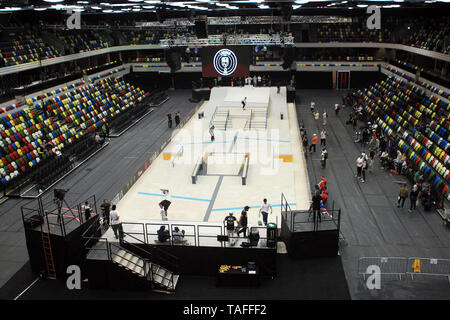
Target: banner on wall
<point>232,61</point>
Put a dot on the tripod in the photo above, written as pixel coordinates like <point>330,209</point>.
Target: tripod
<point>60,203</point>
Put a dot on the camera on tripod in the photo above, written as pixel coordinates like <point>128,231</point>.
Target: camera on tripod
<point>59,195</point>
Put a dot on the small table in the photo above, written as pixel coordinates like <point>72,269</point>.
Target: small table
<point>229,275</point>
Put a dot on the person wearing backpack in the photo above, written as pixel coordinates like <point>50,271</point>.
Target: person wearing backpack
<point>87,211</point>
<point>323,158</point>
<point>243,221</point>
<point>229,223</point>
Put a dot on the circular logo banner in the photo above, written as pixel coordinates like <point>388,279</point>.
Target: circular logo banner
<point>225,62</point>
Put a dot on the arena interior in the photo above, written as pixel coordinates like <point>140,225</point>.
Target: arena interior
<point>132,132</point>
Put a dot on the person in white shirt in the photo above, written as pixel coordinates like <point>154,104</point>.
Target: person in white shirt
<point>313,105</point>
<point>164,205</point>
<point>177,235</point>
<point>359,165</point>
<point>324,117</point>
<point>323,137</point>
<point>87,211</point>
<point>116,224</point>
<point>264,211</point>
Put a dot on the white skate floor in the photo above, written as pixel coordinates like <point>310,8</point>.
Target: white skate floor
<point>220,191</point>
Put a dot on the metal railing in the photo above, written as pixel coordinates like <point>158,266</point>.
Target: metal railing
<point>401,267</point>
<point>390,266</point>
<point>428,267</point>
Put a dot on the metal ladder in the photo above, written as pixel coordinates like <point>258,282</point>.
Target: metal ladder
<point>48,255</point>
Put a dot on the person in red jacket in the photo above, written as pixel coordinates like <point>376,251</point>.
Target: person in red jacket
<point>323,183</point>
<point>324,195</point>
<point>313,144</point>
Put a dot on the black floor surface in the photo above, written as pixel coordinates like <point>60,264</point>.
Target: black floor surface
<point>296,280</point>
<point>103,175</point>
<point>371,223</point>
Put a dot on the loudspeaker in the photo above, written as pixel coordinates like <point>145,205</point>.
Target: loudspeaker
<point>201,29</point>
<point>173,58</point>
<point>288,58</point>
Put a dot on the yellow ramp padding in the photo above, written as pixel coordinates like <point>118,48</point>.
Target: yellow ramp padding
<point>168,156</point>
<point>285,158</point>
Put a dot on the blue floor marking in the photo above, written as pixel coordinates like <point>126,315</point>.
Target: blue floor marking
<point>204,142</point>
<point>246,138</point>
<point>251,207</point>
<point>175,197</point>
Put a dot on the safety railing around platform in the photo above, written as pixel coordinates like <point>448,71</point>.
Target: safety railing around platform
<point>55,215</point>
<point>389,266</point>
<point>308,220</point>
<point>195,235</point>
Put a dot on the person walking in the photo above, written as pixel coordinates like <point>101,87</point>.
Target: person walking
<point>264,211</point>
<point>316,116</point>
<point>359,166</point>
<point>105,207</point>
<point>164,205</point>
<point>313,105</point>
<point>372,156</point>
<point>243,222</point>
<point>413,195</point>
<point>313,144</point>
<point>211,132</point>
<point>87,211</point>
<point>229,223</point>
<point>323,137</point>
<point>324,118</point>
<point>323,158</point>
<point>169,120</point>
<point>337,107</point>
<point>116,224</point>
<point>364,167</point>
<point>316,204</point>
<point>402,195</point>
<point>177,119</point>
<point>305,145</point>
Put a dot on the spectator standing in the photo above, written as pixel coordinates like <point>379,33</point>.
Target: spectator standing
<point>105,207</point>
<point>169,120</point>
<point>305,145</point>
<point>372,156</point>
<point>337,107</point>
<point>359,166</point>
<point>229,223</point>
<point>316,204</point>
<point>265,209</point>
<point>316,116</point>
<point>402,195</point>
<point>313,144</point>
<point>324,118</point>
<point>413,195</point>
<point>323,158</point>
<point>243,221</point>
<point>177,119</point>
<point>116,224</point>
<point>86,210</point>
<point>323,137</point>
